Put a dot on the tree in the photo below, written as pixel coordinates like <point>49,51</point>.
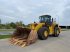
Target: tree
<point>13,25</point>
<point>19,23</point>
<point>7,26</point>
<point>0,21</point>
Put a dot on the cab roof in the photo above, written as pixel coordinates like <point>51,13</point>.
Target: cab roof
<point>45,15</point>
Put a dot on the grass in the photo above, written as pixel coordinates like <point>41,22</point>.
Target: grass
<point>7,29</point>
<point>4,36</point>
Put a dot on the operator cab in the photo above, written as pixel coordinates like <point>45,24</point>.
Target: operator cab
<point>45,19</point>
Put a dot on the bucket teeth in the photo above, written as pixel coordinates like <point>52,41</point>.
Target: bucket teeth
<point>23,37</point>
<point>21,43</point>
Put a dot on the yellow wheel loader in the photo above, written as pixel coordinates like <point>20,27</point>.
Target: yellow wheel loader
<point>26,36</point>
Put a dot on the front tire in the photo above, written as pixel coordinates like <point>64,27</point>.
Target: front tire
<point>56,32</point>
<point>43,33</point>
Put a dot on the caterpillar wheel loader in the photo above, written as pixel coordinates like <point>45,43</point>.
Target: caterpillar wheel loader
<point>26,36</point>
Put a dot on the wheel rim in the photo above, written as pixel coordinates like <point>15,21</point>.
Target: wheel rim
<point>57,32</point>
<point>45,33</point>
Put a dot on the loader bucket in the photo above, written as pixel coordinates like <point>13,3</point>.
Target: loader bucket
<point>23,36</point>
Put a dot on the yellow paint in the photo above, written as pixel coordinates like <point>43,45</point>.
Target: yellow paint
<point>51,29</point>
<point>33,27</point>
<point>57,31</point>
<point>39,26</point>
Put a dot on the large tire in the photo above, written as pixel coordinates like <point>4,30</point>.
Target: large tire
<point>56,32</point>
<point>43,33</point>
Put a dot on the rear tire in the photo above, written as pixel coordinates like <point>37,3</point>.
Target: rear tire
<point>43,33</point>
<point>56,32</point>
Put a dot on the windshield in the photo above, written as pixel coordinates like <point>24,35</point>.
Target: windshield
<point>44,19</point>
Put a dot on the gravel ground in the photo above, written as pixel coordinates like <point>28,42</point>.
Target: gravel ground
<point>52,44</point>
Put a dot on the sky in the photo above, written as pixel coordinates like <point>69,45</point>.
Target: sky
<point>28,11</point>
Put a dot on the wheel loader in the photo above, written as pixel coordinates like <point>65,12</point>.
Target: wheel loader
<point>25,36</point>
